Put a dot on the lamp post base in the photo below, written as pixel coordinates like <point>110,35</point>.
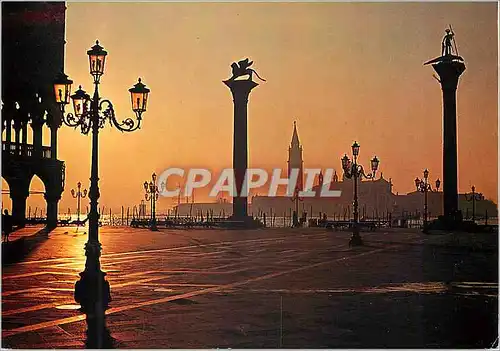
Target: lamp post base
<point>425,229</point>
<point>98,335</point>
<point>92,291</point>
<point>355,239</point>
<point>153,226</point>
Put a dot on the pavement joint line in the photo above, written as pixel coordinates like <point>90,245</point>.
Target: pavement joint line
<point>292,257</point>
<point>180,270</point>
<point>230,243</point>
<point>13,292</point>
<point>187,285</point>
<point>195,271</point>
<point>34,308</point>
<point>136,282</point>
<point>25,275</point>
<point>226,265</point>
<point>119,285</point>
<point>103,261</point>
<point>138,274</point>
<point>127,261</point>
<point>38,326</point>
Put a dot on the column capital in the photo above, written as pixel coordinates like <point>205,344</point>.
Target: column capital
<point>52,196</point>
<point>19,192</point>
<point>449,72</point>
<point>240,88</point>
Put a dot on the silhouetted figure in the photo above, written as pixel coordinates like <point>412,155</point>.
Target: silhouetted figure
<point>6,225</point>
<point>446,45</point>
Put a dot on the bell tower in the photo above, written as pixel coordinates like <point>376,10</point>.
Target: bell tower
<point>295,157</point>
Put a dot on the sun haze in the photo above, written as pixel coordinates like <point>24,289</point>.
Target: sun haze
<point>343,71</point>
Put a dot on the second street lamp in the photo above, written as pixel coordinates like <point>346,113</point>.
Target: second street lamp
<point>474,197</point>
<point>424,187</point>
<point>78,195</point>
<point>354,170</point>
<point>91,114</point>
<point>152,193</point>
<point>296,199</point>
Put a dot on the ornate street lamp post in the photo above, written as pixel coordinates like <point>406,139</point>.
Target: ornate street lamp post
<point>355,171</point>
<point>152,195</point>
<point>474,197</point>
<point>424,187</point>
<point>78,195</point>
<point>91,114</point>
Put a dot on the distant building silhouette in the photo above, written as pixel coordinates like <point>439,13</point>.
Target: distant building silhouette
<point>376,198</point>
<point>32,56</point>
<point>295,157</point>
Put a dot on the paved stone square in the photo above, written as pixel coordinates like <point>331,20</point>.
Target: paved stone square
<point>265,288</point>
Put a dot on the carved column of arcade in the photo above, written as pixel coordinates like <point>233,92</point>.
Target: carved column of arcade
<point>54,187</point>
<point>7,115</point>
<point>19,192</point>
<point>37,120</point>
<point>52,198</point>
<point>22,115</point>
<point>17,130</point>
<point>54,122</point>
<point>24,134</point>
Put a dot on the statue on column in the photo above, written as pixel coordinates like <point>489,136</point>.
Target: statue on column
<point>449,51</point>
<point>446,44</point>
<point>242,69</point>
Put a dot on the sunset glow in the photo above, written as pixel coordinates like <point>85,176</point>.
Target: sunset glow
<point>343,71</point>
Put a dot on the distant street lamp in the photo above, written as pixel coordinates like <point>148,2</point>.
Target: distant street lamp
<point>424,187</point>
<point>474,197</point>
<point>296,199</point>
<point>152,193</point>
<point>355,171</point>
<point>78,195</point>
<point>92,290</point>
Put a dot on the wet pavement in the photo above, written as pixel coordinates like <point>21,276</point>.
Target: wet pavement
<point>265,288</point>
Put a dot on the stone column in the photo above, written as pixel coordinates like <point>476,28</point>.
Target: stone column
<point>37,125</point>
<point>53,142</point>
<point>17,132</point>
<point>53,122</point>
<point>19,196</point>
<point>240,90</point>
<point>449,72</point>
<point>52,200</point>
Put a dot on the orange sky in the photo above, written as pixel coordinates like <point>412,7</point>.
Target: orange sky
<point>343,71</point>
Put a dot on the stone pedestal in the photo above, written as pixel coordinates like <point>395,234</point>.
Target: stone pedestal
<point>240,90</point>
